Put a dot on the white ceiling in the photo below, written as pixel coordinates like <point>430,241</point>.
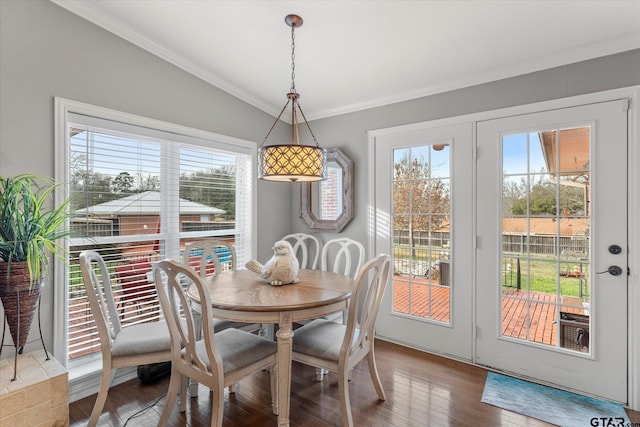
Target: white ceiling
<point>352,55</point>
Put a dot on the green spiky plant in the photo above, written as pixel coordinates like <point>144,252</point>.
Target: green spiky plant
<point>29,228</point>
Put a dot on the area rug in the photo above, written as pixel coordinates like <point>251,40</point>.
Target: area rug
<point>548,404</point>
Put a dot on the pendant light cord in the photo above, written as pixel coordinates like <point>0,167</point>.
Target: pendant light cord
<point>293,97</point>
<point>293,60</point>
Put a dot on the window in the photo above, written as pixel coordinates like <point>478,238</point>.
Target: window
<point>140,191</point>
<point>546,222</point>
<point>421,201</point>
<point>330,194</point>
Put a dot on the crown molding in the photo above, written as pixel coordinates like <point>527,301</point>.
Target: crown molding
<point>563,58</point>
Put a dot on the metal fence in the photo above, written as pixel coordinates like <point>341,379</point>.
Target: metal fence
<point>513,243</point>
<point>437,239</point>
<point>544,245</point>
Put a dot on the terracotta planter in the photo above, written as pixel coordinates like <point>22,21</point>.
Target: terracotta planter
<point>15,294</point>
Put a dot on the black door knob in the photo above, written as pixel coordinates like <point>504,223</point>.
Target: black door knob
<point>615,249</point>
<point>614,270</point>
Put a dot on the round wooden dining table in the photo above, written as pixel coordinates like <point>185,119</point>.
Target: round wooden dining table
<point>243,296</point>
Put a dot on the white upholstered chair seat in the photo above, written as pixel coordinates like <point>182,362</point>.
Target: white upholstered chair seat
<point>238,349</point>
<point>320,338</point>
<point>141,339</point>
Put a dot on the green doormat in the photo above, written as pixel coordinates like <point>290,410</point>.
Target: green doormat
<point>548,404</point>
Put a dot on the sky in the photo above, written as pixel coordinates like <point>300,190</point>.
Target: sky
<point>514,154</point>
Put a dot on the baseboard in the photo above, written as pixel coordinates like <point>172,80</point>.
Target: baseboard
<point>89,384</point>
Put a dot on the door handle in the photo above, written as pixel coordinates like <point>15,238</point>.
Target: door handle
<point>613,270</point>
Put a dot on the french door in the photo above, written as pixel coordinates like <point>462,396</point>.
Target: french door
<point>423,204</point>
<point>551,260</point>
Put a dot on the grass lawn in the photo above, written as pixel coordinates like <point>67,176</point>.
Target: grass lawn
<point>543,274</point>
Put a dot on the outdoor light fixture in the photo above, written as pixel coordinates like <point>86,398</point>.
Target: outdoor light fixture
<point>292,162</point>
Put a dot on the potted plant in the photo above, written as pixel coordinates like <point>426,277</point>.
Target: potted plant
<point>29,233</point>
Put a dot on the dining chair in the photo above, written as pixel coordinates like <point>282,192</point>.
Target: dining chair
<point>211,257</point>
<point>339,255</point>
<point>337,347</point>
<point>217,360</point>
<point>342,256</point>
<point>127,346</point>
<point>306,248</point>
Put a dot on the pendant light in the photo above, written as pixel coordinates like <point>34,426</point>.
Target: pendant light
<point>292,162</point>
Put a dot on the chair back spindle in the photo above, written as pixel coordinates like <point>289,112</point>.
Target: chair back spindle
<point>306,248</point>
<point>210,256</point>
<point>176,279</point>
<point>97,283</point>
<point>343,256</point>
<point>365,304</point>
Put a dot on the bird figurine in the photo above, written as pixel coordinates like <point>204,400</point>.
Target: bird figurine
<point>282,268</point>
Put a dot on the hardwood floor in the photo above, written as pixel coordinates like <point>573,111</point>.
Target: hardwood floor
<point>422,390</point>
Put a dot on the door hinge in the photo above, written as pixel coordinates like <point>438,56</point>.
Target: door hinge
<point>628,271</point>
<point>625,104</point>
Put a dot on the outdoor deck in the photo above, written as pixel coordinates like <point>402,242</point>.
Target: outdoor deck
<point>432,302</point>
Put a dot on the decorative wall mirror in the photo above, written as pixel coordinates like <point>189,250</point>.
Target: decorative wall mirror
<point>328,205</point>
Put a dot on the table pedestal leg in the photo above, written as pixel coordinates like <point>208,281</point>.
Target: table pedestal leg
<point>285,340</point>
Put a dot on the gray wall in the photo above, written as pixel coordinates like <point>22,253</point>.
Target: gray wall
<point>46,51</point>
<point>349,131</point>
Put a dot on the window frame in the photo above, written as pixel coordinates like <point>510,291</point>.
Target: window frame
<point>63,111</point>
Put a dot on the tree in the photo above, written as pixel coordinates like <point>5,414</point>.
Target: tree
<point>548,198</point>
<point>89,188</point>
<point>150,183</point>
<point>512,192</point>
<point>215,188</point>
<point>122,183</point>
<point>420,202</point>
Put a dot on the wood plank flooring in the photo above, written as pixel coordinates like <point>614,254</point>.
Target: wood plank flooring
<point>422,390</point>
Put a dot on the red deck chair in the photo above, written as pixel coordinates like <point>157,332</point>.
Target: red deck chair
<point>133,277</point>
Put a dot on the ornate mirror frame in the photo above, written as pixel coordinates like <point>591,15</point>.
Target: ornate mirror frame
<point>306,193</point>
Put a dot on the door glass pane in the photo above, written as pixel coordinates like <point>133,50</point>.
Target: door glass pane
<point>421,232</point>
<point>545,265</point>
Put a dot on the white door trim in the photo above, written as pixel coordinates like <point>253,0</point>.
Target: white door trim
<point>633,94</point>
<point>451,337</point>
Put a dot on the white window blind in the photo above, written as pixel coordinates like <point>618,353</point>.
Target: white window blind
<point>139,195</point>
